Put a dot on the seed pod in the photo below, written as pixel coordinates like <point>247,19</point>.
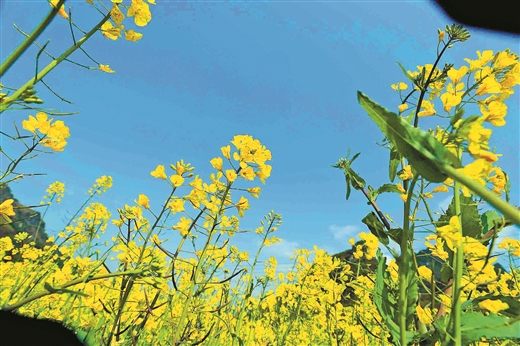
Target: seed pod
<point>28,93</point>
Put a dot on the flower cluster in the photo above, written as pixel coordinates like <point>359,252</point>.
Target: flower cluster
<point>55,134</point>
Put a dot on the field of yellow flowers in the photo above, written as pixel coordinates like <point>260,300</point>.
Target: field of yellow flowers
<point>213,295</point>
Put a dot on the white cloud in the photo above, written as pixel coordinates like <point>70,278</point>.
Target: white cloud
<point>509,232</point>
<point>445,203</point>
<point>342,232</point>
<point>282,251</point>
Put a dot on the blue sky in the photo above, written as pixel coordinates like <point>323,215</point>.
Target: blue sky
<point>283,72</point>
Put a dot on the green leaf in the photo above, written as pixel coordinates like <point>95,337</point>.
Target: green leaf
<point>446,272</point>
<point>382,189</point>
<point>471,226</point>
<point>441,326</point>
<point>405,72</point>
<point>351,177</point>
<point>412,289</point>
<point>425,153</point>
<point>489,219</point>
<point>395,158</point>
<point>465,126</point>
<point>507,187</point>
<point>376,227</point>
<point>387,309</point>
<point>474,326</point>
<point>458,115</point>
<point>386,303</point>
<point>396,234</point>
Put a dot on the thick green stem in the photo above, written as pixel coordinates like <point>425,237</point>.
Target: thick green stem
<point>11,59</point>
<point>505,208</point>
<point>404,267</point>
<point>31,82</point>
<point>458,265</point>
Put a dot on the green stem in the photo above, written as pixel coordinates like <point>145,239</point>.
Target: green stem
<point>505,208</point>
<point>403,267</point>
<point>184,313</point>
<point>31,82</point>
<point>11,59</point>
<point>249,283</point>
<point>458,266</point>
<point>68,284</point>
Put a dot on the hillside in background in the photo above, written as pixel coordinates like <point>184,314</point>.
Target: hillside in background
<point>26,220</point>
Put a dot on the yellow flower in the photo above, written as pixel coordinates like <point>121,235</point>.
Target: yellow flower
<point>494,112</point>
<point>427,109</point>
<point>512,77</point>
<point>243,204</point>
<point>217,163</point>
<point>6,244</point>
<point>456,75</point>
<point>143,201</point>
<point>399,86</point>
<point>56,135</point>
<point>270,268</point>
<point>370,240</point>
<point>102,184</point>
<point>111,32</point>
<point>183,226</point>
<point>176,180</point>
<point>483,59</point>
<point>140,11</point>
<point>504,59</point>
<point>264,171</point>
<point>402,107</point>
<point>106,68</point>
<point>6,209</point>
<point>478,134</point>
<point>254,191</point>
<point>512,245</point>
<point>393,269</point>
<point>441,188</point>
<point>488,156</point>
<point>248,173</point>
<point>39,123</point>
<point>441,34</point>
<point>451,233</point>
<point>424,315</point>
<point>180,167</point>
<point>131,35</point>
<point>425,273</point>
<point>57,189</point>
<point>406,174</point>
<point>493,305</point>
<point>478,170</point>
<point>61,11</point>
<point>231,175</point>
<point>359,252</point>
<point>159,172</point>
<point>499,180</point>
<point>116,15</point>
<point>452,97</point>
<point>226,151</point>
<point>177,205</point>
<point>118,223</point>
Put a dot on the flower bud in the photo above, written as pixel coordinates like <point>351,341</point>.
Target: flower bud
<point>441,35</point>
